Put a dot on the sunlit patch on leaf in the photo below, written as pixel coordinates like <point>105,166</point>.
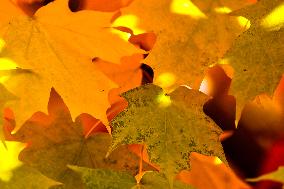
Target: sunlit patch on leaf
<point>164,100</point>
<point>224,61</point>
<point>225,64</point>
<point>6,64</point>
<point>166,80</point>
<point>204,86</point>
<point>9,159</point>
<point>186,7</point>
<point>217,161</point>
<point>2,44</point>
<point>130,21</point>
<point>275,19</point>
<point>123,35</point>
<point>188,87</point>
<point>223,10</point>
<point>245,23</point>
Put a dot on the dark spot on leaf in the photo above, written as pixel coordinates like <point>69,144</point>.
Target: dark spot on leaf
<point>95,59</point>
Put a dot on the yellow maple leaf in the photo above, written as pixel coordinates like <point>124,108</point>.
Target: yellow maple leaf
<point>55,48</point>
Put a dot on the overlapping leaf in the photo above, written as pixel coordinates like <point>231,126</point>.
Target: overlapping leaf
<point>188,39</point>
<point>56,141</point>
<point>257,55</point>
<point>72,51</point>
<point>55,48</point>
<point>170,126</point>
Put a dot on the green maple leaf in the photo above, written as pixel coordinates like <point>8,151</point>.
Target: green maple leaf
<point>26,177</point>
<point>257,55</point>
<point>103,179</point>
<point>171,126</point>
<point>277,176</point>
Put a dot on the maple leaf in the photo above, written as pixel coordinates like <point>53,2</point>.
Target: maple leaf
<point>54,141</point>
<point>55,48</point>
<point>171,126</point>
<point>277,176</point>
<point>257,55</point>
<point>101,178</point>
<point>210,172</point>
<point>188,40</point>
<point>27,178</point>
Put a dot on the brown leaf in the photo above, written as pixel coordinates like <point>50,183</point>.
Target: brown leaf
<point>55,141</point>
